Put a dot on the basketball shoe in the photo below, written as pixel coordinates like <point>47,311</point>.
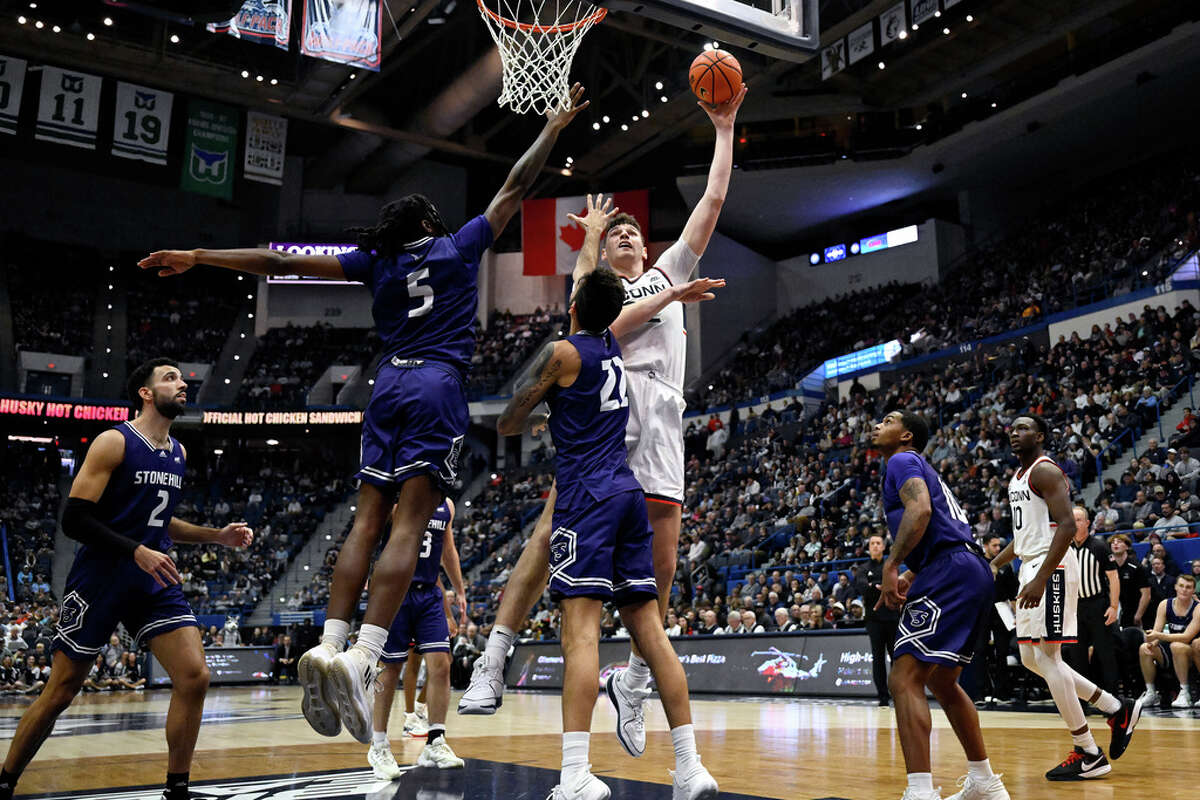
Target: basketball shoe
<point>973,789</point>
<point>1183,699</point>
<point>1080,766</point>
<point>438,754</point>
<point>1122,723</point>
<point>485,694</point>
<point>351,685</point>
<point>913,794</point>
<point>588,788</point>
<point>697,784</point>
<point>318,708</point>
<point>1150,697</point>
<point>383,763</point>
<point>631,716</point>
<point>416,725</point>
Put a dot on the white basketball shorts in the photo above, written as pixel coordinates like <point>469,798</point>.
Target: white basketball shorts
<point>1054,620</point>
<point>654,437</point>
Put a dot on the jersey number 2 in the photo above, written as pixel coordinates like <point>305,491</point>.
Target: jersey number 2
<point>155,521</point>
<point>614,378</point>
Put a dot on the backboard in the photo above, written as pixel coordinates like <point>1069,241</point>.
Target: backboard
<point>786,29</point>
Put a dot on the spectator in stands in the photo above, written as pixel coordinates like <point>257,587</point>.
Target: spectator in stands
<point>734,624</point>
<point>14,643</point>
<point>1173,525</point>
<point>285,661</point>
<point>1161,581</point>
<point>710,625</point>
<point>113,652</point>
<point>132,677</point>
<point>1176,624</point>
<point>34,679</point>
<point>750,624</point>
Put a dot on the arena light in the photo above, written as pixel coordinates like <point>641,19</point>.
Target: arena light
<point>663,99</point>
<point>245,73</point>
<point>854,248</point>
<point>946,31</point>
<point>39,24</point>
<point>902,35</point>
<point>227,380</point>
<point>104,374</point>
<point>605,119</point>
<point>882,65</point>
<point>813,259</point>
<point>595,126</point>
<point>993,105</point>
<point>353,75</point>
<point>174,38</point>
<point>56,29</point>
<point>258,78</point>
<point>108,21</point>
<point>970,18</point>
<point>236,357</point>
<point>218,452</point>
<point>918,126</point>
<point>708,46</point>
<point>658,85</point>
<point>21,20</point>
<point>963,95</point>
<point>624,126</point>
<point>91,37</point>
<point>274,81</point>
<point>645,113</point>
<point>937,14</point>
<point>916,27</point>
<point>566,173</point>
<point>272,442</point>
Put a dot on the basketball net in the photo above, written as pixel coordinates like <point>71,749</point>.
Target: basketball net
<point>537,40</point>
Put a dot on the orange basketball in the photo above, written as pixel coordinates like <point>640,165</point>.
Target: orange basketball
<point>715,76</point>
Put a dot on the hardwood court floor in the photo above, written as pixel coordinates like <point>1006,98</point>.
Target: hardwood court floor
<point>757,748</point>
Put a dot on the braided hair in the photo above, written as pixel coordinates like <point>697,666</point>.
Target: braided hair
<point>400,222</point>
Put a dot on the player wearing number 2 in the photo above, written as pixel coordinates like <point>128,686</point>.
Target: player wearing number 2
<point>424,284</point>
<point>120,510</point>
<point>943,599</point>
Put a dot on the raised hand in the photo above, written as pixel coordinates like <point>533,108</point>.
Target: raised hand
<point>169,262</point>
<point>598,214</point>
<point>699,290</point>
<point>723,115</point>
<point>561,116</point>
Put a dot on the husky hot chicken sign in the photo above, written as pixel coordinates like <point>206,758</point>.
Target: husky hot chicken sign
<point>212,137</point>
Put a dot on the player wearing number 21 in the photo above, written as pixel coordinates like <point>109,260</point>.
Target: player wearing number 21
<point>120,511</point>
<point>424,283</point>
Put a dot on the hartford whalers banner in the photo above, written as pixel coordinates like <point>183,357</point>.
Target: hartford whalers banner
<point>69,108</point>
<point>142,123</point>
<point>208,153</point>
<point>345,31</point>
<point>12,81</point>
<point>262,21</point>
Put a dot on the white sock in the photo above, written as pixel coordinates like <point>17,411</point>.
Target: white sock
<point>499,642</point>
<point>1108,704</point>
<point>380,739</point>
<point>1086,741</point>
<point>921,782</point>
<point>1150,687</point>
<point>980,770</point>
<point>684,739</point>
<point>335,634</point>
<point>372,639</point>
<point>637,675</point>
<point>575,757</point>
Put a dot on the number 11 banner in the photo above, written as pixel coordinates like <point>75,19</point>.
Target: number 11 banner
<point>142,123</point>
<point>69,108</point>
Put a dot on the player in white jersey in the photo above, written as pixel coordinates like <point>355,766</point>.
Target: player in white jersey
<point>654,353</point>
<point>1043,523</point>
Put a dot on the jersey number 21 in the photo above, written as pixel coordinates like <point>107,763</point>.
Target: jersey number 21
<point>614,378</point>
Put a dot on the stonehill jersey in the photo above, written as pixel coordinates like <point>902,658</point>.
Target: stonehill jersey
<point>587,421</point>
<point>948,524</point>
<point>141,495</point>
<point>660,345</point>
<point>429,561</point>
<point>1178,623</point>
<point>425,298</point>
<point>1033,530</point>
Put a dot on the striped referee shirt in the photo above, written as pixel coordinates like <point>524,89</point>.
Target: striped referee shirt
<point>1095,559</point>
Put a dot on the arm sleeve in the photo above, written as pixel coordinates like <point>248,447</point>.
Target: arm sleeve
<point>357,265</point>
<point>473,239</point>
<point>80,523</point>
<point>677,262</point>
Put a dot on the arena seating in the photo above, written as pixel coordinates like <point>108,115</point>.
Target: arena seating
<point>507,342</point>
<point>189,321</point>
<point>29,502</point>
<point>43,321</point>
<point>289,360</point>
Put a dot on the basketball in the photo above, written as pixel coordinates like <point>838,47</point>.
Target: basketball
<point>715,76</point>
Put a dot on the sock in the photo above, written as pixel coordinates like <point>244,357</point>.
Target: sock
<point>422,710</point>
<point>1085,741</point>
<point>372,638</point>
<point>435,731</point>
<point>921,782</point>
<point>979,770</point>
<point>8,784</point>
<point>1107,704</point>
<point>637,676</point>
<point>380,739</point>
<point>177,786</point>
<point>1150,687</point>
<point>684,739</point>
<point>499,642</point>
<point>575,757</point>
<point>335,634</point>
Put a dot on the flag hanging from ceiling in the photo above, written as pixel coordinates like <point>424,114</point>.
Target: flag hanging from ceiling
<point>262,21</point>
<point>343,31</point>
<point>69,108</point>
<point>551,242</point>
<point>142,123</point>
<point>12,81</point>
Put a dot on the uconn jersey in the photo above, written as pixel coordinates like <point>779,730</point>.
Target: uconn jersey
<point>421,620</point>
<point>105,588</point>
<point>600,546</point>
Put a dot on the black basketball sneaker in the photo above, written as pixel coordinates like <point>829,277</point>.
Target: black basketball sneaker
<point>1122,723</point>
<point>1080,766</point>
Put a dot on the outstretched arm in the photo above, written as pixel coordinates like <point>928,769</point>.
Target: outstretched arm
<point>507,201</point>
<point>256,261</point>
<point>1049,482</point>
<point>557,363</point>
<point>703,221</point>
<point>637,314</point>
<point>235,534</point>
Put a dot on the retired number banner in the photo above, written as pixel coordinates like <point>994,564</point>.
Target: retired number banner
<point>69,109</point>
<point>209,150</point>
<point>262,21</point>
<point>142,123</point>
<point>266,145</point>
<point>346,33</point>
<point>12,81</point>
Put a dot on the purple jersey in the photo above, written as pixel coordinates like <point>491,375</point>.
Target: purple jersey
<point>948,523</point>
<point>587,421</point>
<point>425,297</point>
<point>429,563</point>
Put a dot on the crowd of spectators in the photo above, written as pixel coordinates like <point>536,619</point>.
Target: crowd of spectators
<point>29,500</point>
<point>53,318</point>
<point>27,628</point>
<point>505,344</point>
<point>289,360</point>
<point>188,321</point>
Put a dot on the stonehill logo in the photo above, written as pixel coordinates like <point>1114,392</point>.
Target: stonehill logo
<point>357,783</point>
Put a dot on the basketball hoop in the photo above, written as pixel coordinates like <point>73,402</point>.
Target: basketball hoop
<point>537,40</point>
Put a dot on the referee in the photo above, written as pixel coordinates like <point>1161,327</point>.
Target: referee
<point>1099,596</point>
<point>882,623</point>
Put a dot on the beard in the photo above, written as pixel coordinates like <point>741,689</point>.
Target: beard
<point>169,407</point>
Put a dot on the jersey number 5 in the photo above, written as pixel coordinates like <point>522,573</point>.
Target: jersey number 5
<point>614,378</point>
<point>415,290</point>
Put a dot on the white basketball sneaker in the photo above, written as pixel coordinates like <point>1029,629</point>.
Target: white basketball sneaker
<point>319,710</point>
<point>697,784</point>
<point>631,716</point>
<point>588,788</point>
<point>912,794</point>
<point>415,725</point>
<point>438,754</point>
<point>485,694</point>
<point>1184,700</point>
<point>383,763</point>
<point>351,685</point>
<point>972,789</point>
<point>1150,698</point>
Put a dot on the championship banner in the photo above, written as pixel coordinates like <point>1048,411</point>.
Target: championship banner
<point>69,108</point>
<point>861,42</point>
<point>923,10</point>
<point>12,81</point>
<point>343,32</point>
<point>833,59</point>
<point>209,150</point>
<point>142,123</point>
<point>262,21</point>
<point>266,143</point>
<point>891,24</point>
<point>550,242</point>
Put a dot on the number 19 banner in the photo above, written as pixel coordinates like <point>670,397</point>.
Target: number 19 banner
<point>142,123</point>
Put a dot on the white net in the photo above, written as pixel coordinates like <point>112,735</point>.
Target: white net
<point>537,41</point>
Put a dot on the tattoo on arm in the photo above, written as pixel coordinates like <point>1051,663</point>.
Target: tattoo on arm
<point>532,386</point>
<point>915,496</point>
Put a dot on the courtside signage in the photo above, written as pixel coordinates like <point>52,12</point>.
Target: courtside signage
<point>309,249</point>
<point>282,417</point>
<point>43,409</point>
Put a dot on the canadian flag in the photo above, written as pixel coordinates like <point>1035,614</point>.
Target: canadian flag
<point>551,242</point>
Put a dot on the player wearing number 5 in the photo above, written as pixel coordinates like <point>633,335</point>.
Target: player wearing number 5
<point>424,283</point>
<point>120,511</point>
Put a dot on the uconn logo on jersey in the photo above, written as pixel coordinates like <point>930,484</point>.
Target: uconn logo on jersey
<point>1019,495</point>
